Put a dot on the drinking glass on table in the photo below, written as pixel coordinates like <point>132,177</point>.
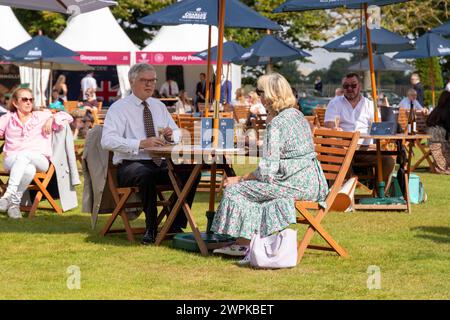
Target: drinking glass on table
<point>337,121</point>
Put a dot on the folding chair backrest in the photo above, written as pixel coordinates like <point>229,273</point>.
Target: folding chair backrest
<point>226,115</point>
<point>335,150</point>
<point>319,112</point>
<point>70,105</point>
<point>241,112</point>
<point>187,126</point>
<point>421,121</point>
<point>403,118</point>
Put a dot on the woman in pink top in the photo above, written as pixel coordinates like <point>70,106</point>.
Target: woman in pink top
<point>28,145</point>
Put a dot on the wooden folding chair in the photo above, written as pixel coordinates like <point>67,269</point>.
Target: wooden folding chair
<point>121,197</point>
<point>70,105</point>
<point>319,112</point>
<point>39,184</point>
<point>335,150</point>
<point>99,116</point>
<point>421,128</point>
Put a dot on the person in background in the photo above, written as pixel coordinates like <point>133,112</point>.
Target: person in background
<point>318,85</point>
<point>417,85</point>
<point>256,107</point>
<point>3,104</point>
<point>263,201</point>
<point>438,127</point>
<point>411,97</point>
<point>225,90</point>
<point>239,98</point>
<point>200,90</point>
<point>339,92</point>
<point>88,82</point>
<point>169,89</point>
<point>28,145</point>
<point>90,105</point>
<point>61,87</point>
<point>57,102</point>
<point>183,105</point>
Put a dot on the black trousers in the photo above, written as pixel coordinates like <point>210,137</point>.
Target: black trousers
<point>146,175</point>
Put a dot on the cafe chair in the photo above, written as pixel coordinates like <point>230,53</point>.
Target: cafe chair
<point>335,150</point>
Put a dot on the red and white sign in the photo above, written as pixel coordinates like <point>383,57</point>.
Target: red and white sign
<point>104,58</point>
<point>106,92</point>
<point>168,58</point>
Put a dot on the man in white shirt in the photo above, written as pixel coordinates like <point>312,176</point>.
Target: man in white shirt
<point>411,97</point>
<point>353,112</point>
<point>88,82</point>
<point>131,125</point>
<point>169,89</point>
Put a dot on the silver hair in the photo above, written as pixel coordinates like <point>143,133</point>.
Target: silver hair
<point>411,91</point>
<point>138,68</point>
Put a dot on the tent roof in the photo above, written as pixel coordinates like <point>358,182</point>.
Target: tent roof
<point>182,38</point>
<point>95,31</point>
<point>12,33</point>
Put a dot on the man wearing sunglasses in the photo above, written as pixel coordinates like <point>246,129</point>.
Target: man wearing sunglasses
<point>353,112</point>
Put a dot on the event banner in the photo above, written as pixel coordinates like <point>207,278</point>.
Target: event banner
<point>104,58</point>
<point>168,58</point>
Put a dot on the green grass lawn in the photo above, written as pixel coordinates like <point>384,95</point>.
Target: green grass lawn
<point>411,250</point>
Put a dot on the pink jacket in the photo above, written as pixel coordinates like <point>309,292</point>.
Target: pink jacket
<point>29,136</point>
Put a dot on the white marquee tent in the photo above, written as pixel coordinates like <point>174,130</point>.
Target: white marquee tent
<point>173,45</point>
<point>101,41</point>
<point>13,34</point>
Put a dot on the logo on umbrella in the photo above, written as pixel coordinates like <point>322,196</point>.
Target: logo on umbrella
<point>198,14</point>
<point>247,54</point>
<point>443,49</point>
<point>350,42</point>
<point>35,52</point>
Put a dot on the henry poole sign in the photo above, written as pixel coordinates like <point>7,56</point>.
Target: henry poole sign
<point>168,58</point>
<point>104,58</point>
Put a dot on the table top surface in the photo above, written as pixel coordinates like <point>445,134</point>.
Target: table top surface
<point>400,136</point>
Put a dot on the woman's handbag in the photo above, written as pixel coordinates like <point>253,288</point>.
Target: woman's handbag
<point>275,251</point>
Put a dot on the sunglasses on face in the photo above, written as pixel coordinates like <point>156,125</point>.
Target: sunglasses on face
<point>347,86</point>
<point>259,92</point>
<point>24,99</point>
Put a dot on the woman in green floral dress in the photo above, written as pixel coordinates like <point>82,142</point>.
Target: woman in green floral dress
<point>263,201</point>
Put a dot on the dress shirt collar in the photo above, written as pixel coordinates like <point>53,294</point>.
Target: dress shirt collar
<point>138,102</point>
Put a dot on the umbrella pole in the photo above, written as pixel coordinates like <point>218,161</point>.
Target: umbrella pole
<point>208,74</point>
<point>222,10</point>
<point>50,87</point>
<point>269,68</point>
<point>381,183</point>
<point>40,82</point>
<point>433,83</point>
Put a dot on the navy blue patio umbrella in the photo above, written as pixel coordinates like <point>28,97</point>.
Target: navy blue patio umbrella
<point>267,50</point>
<point>39,49</point>
<point>3,53</point>
<point>427,46</point>
<point>206,12</point>
<point>231,50</point>
<point>62,6</point>
<point>382,41</point>
<point>381,63</point>
<point>443,29</point>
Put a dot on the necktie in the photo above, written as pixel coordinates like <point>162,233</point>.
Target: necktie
<point>170,89</point>
<point>150,129</point>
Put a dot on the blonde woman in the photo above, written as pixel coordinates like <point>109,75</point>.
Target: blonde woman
<point>28,145</point>
<point>183,105</point>
<point>61,87</point>
<point>263,201</point>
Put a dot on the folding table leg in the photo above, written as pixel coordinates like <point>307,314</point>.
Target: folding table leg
<point>181,203</point>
